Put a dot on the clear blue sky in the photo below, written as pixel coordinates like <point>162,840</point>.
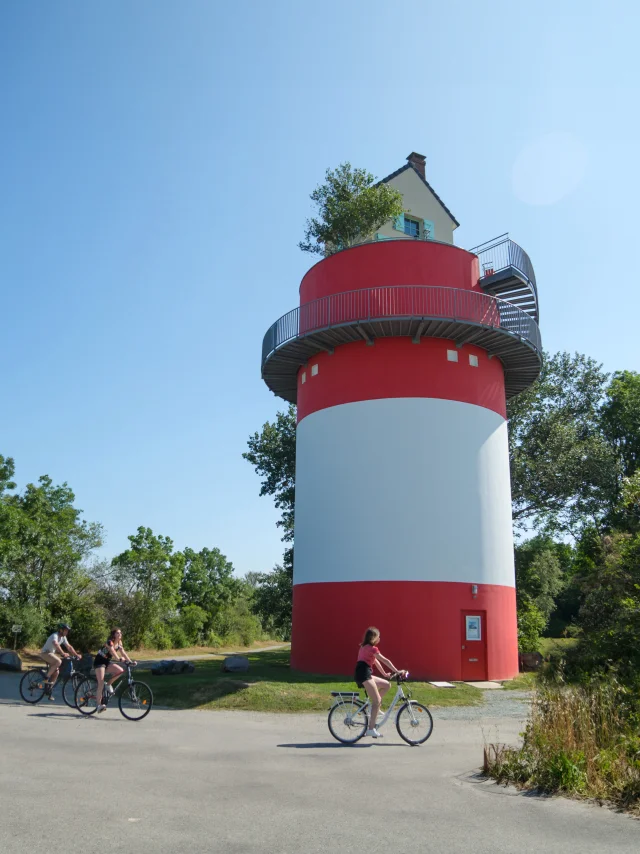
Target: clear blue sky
<point>156,161</point>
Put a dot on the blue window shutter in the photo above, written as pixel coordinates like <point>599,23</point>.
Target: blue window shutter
<point>399,223</point>
<point>429,229</point>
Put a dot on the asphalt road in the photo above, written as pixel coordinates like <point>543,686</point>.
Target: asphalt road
<point>239,782</point>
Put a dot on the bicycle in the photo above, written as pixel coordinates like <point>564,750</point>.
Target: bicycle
<point>33,685</point>
<point>349,716</point>
<point>134,700</point>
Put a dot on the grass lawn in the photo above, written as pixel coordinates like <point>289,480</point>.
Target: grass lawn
<point>523,682</point>
<point>150,654</point>
<point>30,656</point>
<point>271,686</point>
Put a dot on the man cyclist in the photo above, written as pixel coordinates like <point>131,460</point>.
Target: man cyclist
<point>53,652</point>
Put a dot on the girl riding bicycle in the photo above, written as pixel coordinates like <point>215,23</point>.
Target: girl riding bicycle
<point>104,664</point>
<point>375,687</point>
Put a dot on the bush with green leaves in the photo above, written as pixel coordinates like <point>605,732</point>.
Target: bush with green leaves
<point>35,624</point>
<point>88,621</point>
<point>159,636</point>
<point>579,740</point>
<point>191,622</point>
<point>609,617</point>
<point>236,624</point>
<point>531,623</point>
<point>351,205</point>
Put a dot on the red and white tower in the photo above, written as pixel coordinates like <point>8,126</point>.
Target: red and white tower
<point>400,359</point>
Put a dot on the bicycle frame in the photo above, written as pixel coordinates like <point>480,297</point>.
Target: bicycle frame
<point>119,681</point>
<point>366,705</point>
<point>60,680</point>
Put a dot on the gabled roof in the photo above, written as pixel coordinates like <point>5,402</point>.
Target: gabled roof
<point>424,181</point>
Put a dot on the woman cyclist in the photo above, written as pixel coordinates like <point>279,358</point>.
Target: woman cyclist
<point>105,664</point>
<point>375,686</point>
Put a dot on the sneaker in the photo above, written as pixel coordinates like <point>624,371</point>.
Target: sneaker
<point>101,708</point>
<point>50,697</point>
<point>109,689</point>
<point>373,733</point>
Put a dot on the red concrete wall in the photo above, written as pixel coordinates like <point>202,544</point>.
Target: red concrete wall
<point>419,622</point>
<point>385,263</point>
<point>396,367</point>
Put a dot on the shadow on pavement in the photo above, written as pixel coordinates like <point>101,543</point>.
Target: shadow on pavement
<point>52,714</point>
<point>329,744</point>
<point>322,744</point>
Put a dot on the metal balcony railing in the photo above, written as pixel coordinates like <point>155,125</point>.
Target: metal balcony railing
<point>372,305</point>
<point>499,254</point>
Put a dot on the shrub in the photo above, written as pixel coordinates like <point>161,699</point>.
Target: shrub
<point>159,637</point>
<point>192,621</point>
<point>178,635</point>
<point>89,627</point>
<point>531,623</point>
<point>579,740</point>
<point>34,622</point>
<point>235,624</point>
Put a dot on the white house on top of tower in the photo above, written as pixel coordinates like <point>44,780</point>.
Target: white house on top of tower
<point>425,217</point>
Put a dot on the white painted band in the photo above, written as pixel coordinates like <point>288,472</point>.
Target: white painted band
<point>403,489</point>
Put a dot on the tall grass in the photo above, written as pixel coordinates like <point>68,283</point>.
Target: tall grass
<point>579,740</point>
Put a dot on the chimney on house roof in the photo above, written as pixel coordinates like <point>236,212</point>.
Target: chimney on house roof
<point>418,161</point>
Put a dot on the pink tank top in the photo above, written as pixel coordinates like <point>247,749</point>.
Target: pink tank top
<point>368,653</point>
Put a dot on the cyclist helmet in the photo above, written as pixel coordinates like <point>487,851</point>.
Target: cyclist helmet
<point>64,626</point>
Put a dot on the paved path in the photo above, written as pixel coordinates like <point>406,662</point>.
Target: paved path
<point>245,783</point>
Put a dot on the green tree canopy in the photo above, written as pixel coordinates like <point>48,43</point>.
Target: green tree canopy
<point>621,419</point>
<point>541,571</point>
<point>609,575</point>
<point>272,597</point>
<point>43,542</point>
<point>7,471</point>
<point>44,546</point>
<point>351,206</point>
<point>272,453</point>
<point>564,472</point>
<point>151,568</point>
<point>207,581</point>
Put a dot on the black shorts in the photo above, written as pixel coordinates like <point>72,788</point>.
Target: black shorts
<point>363,672</point>
<point>101,661</point>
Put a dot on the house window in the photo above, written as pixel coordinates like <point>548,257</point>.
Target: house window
<point>452,355</point>
<point>411,227</point>
<point>473,361</point>
<point>314,370</point>
<point>304,377</point>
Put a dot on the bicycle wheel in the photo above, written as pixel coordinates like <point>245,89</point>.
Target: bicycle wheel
<point>85,696</point>
<point>32,685</point>
<point>348,721</point>
<point>414,722</point>
<point>70,686</point>
<point>135,701</point>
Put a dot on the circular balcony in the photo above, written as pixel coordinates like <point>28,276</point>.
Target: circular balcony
<point>465,317</point>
